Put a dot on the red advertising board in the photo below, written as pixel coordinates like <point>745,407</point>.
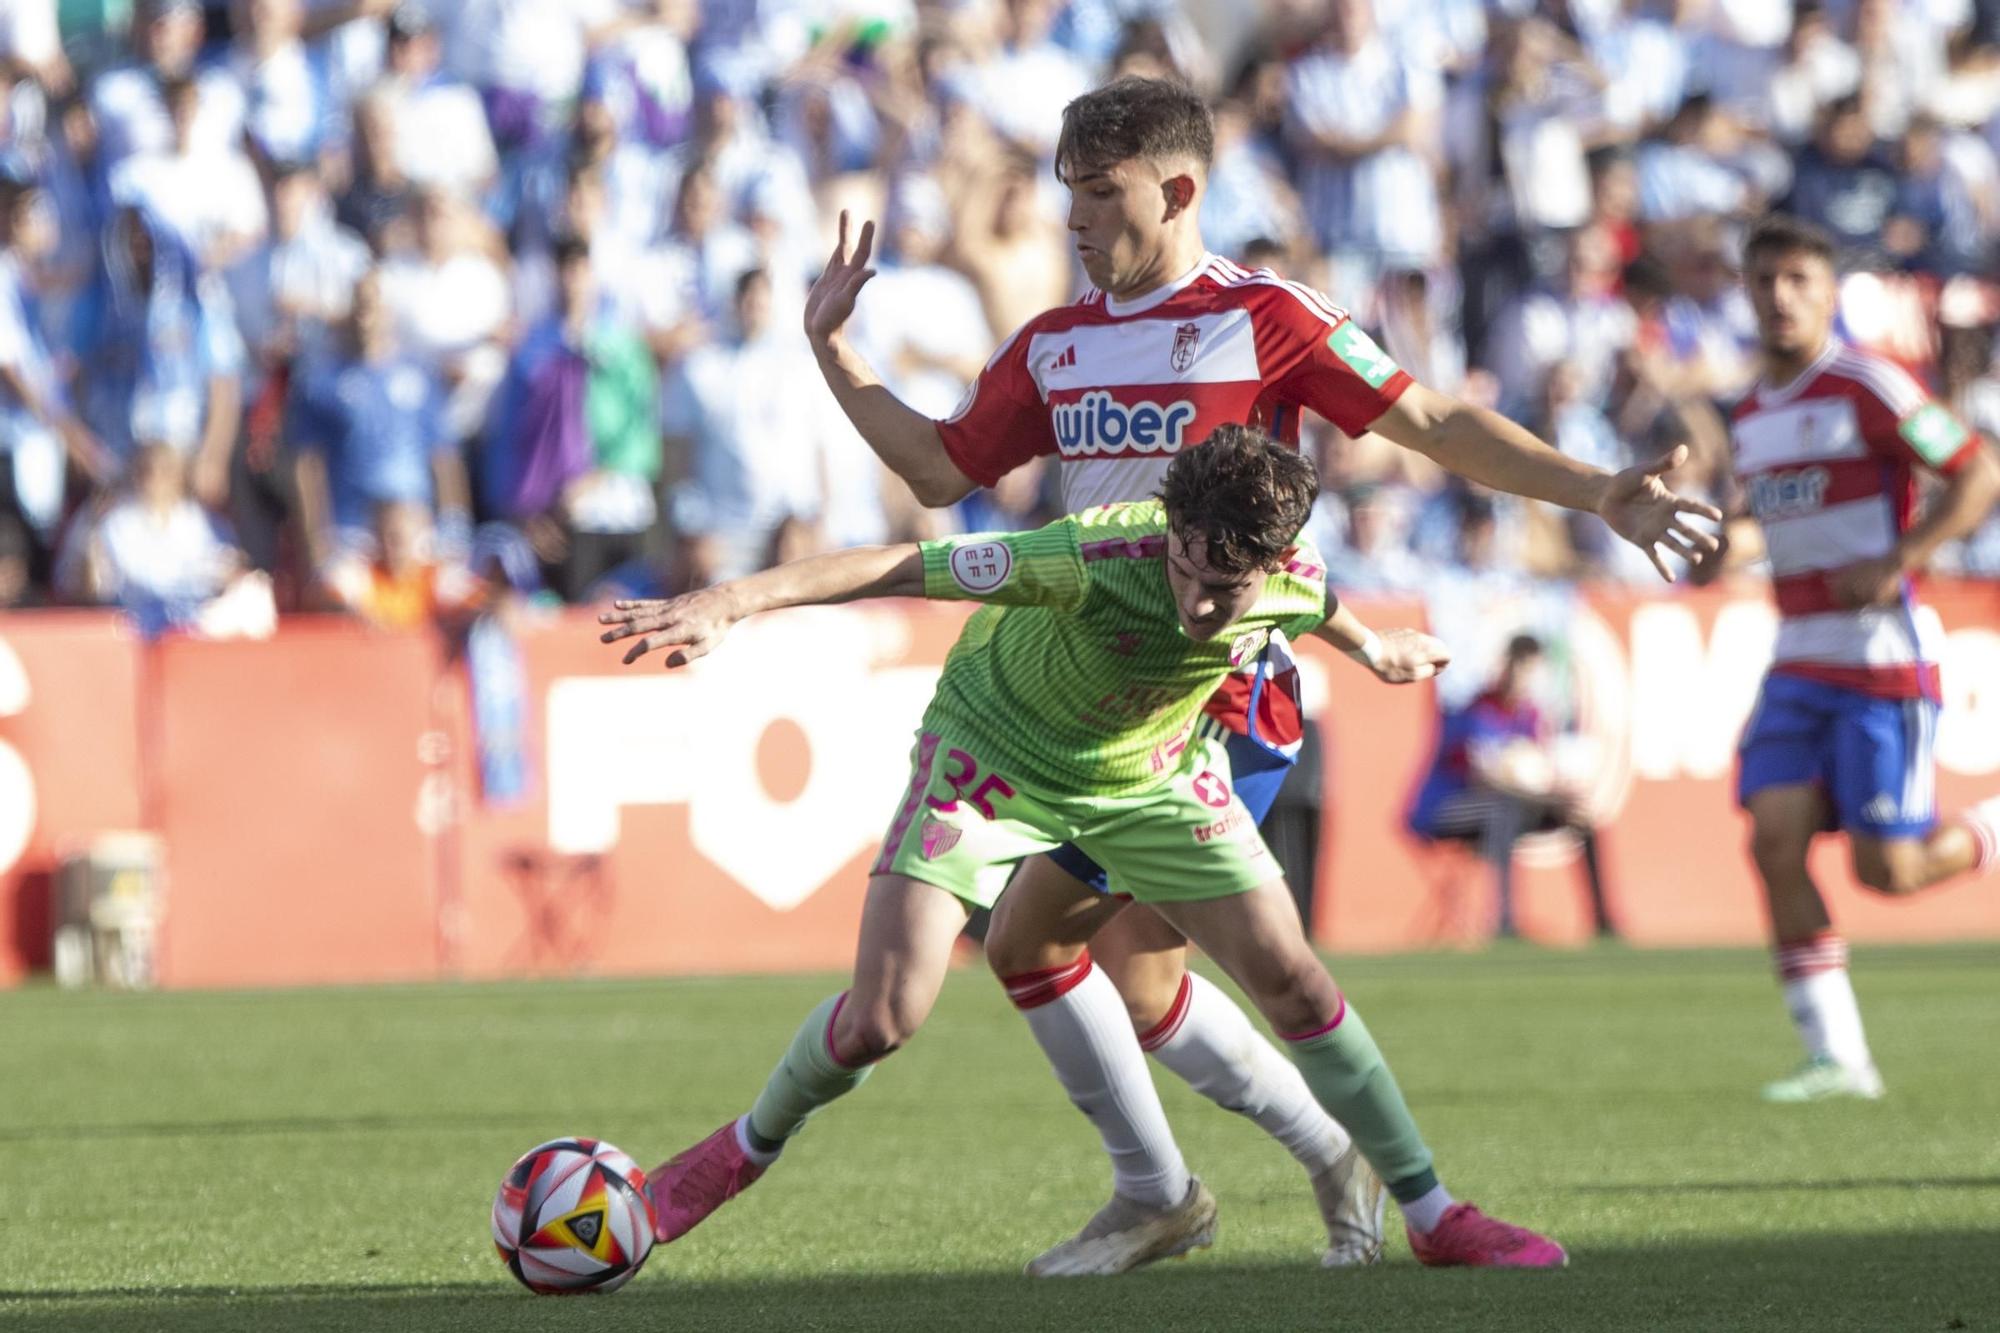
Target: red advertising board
<point>318,794</point>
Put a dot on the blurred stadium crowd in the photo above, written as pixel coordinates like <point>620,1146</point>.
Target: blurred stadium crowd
<point>393,307</point>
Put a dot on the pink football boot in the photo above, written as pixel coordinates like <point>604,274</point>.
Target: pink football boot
<point>1465,1236</point>
<point>695,1182</point>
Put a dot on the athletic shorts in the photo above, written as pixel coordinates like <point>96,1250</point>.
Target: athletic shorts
<point>963,827</point>
<point>1871,756</point>
<point>1258,774</point>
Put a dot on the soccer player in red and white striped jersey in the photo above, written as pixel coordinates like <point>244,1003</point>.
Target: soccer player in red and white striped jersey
<point>1829,444</point>
<point>1172,342</point>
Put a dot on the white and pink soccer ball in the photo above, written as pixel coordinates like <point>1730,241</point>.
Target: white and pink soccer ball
<point>572,1216</point>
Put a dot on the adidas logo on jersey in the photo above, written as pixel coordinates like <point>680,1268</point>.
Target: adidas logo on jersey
<point>1067,361</point>
<point>1882,809</point>
<point>1098,424</point>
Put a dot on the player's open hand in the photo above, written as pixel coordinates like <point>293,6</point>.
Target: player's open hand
<point>831,299</point>
<point>1639,507</point>
<point>1410,655</point>
<point>691,625</point>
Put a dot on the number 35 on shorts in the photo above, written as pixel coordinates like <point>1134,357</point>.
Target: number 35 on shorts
<point>959,824</point>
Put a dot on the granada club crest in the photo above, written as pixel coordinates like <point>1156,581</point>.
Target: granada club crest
<point>1187,338</point>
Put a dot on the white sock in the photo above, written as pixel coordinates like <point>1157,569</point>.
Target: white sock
<point>1207,1039</point>
<point>1082,1026</point>
<point>1423,1214</point>
<point>751,1150</point>
<point>1821,1000</point>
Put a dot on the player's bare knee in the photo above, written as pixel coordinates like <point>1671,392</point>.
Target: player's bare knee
<point>873,1033</point>
<point>1298,995</point>
<point>1011,956</point>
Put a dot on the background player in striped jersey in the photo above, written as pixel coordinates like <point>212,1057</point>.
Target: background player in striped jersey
<point>1828,445</point>
<point>1171,342</point>
<point>1067,711</point>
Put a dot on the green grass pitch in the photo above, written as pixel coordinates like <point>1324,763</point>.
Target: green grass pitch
<point>326,1159</point>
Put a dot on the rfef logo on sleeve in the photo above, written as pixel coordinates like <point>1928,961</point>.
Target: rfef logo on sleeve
<point>979,567</point>
<point>1362,356</point>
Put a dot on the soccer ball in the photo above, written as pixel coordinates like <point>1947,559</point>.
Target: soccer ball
<point>572,1216</point>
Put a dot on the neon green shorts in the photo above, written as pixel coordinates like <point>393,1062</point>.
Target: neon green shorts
<point>962,827</point>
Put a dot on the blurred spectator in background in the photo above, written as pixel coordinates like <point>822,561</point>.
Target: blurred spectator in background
<point>526,57</point>
<point>1016,72</point>
<point>403,583</point>
<point>292,294</point>
<point>1688,171</point>
<point>159,359</point>
<point>751,457</point>
<point>207,195</point>
<point>1494,779</point>
<point>1249,200</point>
<point>1816,68</point>
<point>703,255</point>
<point>1373,554</point>
<point>1580,320</point>
<point>450,303</point>
<point>380,199</point>
<point>156,554</point>
<point>1533,204</point>
<point>293,289</point>
<point>919,320</point>
<point>288,103</point>
<point>574,453</point>
<point>1846,185</point>
<point>441,138</point>
<point>1012,249</point>
<point>39,433</point>
<point>367,426</point>
<point>129,101</point>
<point>1364,124</point>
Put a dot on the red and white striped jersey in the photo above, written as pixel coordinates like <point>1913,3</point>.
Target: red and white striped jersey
<point>1828,464</point>
<point>1114,389</point>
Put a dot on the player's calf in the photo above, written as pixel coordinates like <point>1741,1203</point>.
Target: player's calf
<point>1898,867</point>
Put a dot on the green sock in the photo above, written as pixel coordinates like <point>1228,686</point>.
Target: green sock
<point>805,1080</point>
<point>1348,1076</point>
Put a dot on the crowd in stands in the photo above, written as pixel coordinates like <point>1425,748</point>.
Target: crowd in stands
<point>398,307</point>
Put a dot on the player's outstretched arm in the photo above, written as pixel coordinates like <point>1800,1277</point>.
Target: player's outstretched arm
<point>693,623</point>
<point>1485,447</point>
<point>904,439</point>
<point>1397,656</point>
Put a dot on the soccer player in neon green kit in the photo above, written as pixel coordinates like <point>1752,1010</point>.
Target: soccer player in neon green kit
<point>1067,713</point>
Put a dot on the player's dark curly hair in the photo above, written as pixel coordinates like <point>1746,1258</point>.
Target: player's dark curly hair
<point>1134,117</point>
<point>1243,495</point>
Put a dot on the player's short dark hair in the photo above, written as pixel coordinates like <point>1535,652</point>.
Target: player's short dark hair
<point>1786,233</point>
<point>1134,117</point>
<point>1522,647</point>
<point>1244,495</point>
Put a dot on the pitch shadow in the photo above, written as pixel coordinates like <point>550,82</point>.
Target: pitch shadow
<point>1884,1281</point>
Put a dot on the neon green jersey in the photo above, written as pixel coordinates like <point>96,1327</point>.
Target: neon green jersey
<point>1077,676</point>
